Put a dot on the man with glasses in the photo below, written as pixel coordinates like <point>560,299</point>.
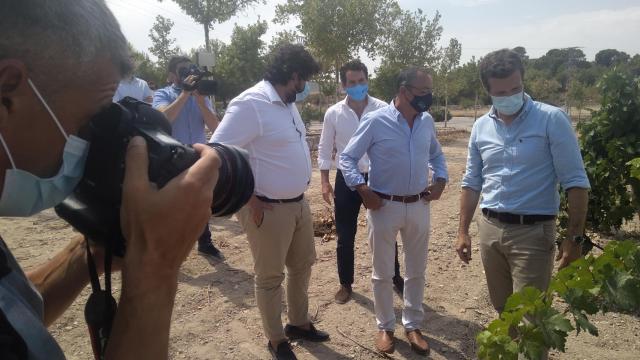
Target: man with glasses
<point>400,141</point>
<point>340,122</point>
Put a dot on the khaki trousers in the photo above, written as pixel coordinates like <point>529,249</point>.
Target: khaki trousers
<point>284,238</point>
<point>515,256</point>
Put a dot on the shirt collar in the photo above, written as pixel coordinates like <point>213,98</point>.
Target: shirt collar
<point>528,103</point>
<point>271,92</point>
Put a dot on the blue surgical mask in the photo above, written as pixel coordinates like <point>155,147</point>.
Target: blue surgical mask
<point>358,92</point>
<point>304,93</point>
<point>508,105</point>
<point>25,194</point>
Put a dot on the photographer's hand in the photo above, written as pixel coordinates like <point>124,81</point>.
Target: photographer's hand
<point>160,226</point>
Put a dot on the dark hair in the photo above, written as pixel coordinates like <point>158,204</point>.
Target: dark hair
<point>175,60</point>
<point>409,75</point>
<point>500,64</point>
<point>353,65</point>
<point>288,59</point>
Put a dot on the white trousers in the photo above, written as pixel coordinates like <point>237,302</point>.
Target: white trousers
<point>412,221</point>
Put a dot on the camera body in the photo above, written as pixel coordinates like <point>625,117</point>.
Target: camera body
<point>94,206</point>
<point>203,86</point>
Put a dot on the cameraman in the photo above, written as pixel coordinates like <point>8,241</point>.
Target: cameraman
<point>46,97</point>
<point>188,113</point>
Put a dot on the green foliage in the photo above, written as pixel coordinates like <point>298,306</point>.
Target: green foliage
<point>241,63</point>
<point>411,39</point>
<point>437,112</point>
<point>611,57</point>
<point>635,167</point>
<point>163,45</point>
<point>608,142</point>
<point>530,324</point>
<point>336,30</point>
<point>209,12</point>
<point>310,112</point>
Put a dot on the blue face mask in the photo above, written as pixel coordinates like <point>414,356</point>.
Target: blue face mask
<point>25,194</point>
<point>358,92</point>
<point>304,93</point>
<point>508,105</point>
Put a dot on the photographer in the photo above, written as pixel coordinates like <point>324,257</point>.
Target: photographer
<point>46,98</point>
<point>188,112</point>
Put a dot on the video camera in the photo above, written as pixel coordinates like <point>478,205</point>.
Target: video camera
<point>203,86</point>
<point>94,206</point>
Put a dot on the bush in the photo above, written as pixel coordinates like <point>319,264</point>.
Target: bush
<point>310,112</point>
<point>438,113</point>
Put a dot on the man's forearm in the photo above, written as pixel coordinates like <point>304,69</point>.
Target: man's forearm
<point>324,176</point>
<point>172,110</point>
<point>141,327</point>
<point>468,203</point>
<point>61,279</point>
<point>578,200</point>
<point>210,118</point>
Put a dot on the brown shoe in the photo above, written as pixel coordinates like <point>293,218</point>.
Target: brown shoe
<point>417,341</point>
<point>343,295</point>
<point>385,342</point>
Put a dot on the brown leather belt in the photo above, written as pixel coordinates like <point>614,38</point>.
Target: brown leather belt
<point>407,199</point>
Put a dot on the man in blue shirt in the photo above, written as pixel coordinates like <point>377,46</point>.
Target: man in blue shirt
<point>400,140</point>
<point>518,153</point>
<point>188,112</point>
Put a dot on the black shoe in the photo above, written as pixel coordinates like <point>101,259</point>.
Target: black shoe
<point>313,334</point>
<point>398,285</point>
<point>208,249</point>
<point>283,352</point>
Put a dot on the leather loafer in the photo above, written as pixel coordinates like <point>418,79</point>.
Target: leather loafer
<point>343,295</point>
<point>283,351</point>
<point>313,334</point>
<point>385,342</point>
<point>417,341</point>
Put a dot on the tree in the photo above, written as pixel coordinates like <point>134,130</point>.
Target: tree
<point>577,94</point>
<point>241,63</point>
<point>450,60</point>
<point>522,52</point>
<point>611,57</point>
<point>411,39</point>
<point>210,12</point>
<point>336,30</point>
<point>145,68</point>
<point>163,45</point>
<point>608,142</point>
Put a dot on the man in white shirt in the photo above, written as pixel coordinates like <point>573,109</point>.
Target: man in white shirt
<point>134,87</point>
<point>277,220</point>
<point>340,122</point>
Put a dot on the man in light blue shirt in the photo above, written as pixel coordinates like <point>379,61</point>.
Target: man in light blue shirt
<point>188,112</point>
<point>518,154</point>
<point>400,141</point>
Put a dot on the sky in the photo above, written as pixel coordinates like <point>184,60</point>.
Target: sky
<point>480,25</point>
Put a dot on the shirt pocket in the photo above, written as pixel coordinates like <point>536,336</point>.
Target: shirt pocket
<point>531,149</point>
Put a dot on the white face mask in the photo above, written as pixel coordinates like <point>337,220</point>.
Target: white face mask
<point>508,105</point>
<point>25,194</point>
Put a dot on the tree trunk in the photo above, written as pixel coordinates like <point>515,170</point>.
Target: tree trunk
<point>475,108</point>
<point>446,102</point>
<point>206,37</point>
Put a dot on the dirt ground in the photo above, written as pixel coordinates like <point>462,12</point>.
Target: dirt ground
<point>216,317</point>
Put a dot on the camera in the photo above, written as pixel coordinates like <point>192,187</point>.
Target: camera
<point>94,206</point>
<point>203,86</point>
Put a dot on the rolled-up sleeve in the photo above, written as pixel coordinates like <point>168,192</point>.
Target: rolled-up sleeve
<point>437,162</point>
<point>473,174</point>
<point>239,126</point>
<point>567,160</point>
<point>161,99</point>
<point>327,141</point>
<point>355,149</point>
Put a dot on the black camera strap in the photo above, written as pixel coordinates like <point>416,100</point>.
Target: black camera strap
<point>101,306</point>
